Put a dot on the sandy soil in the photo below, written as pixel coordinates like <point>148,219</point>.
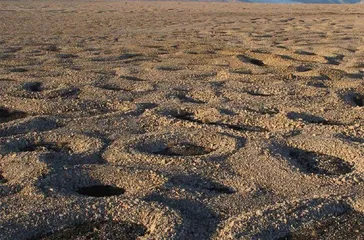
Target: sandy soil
<point>122,120</point>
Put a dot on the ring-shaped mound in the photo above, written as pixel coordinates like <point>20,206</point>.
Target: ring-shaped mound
<point>281,220</point>
<point>94,218</point>
<point>181,145</point>
<point>101,181</point>
<point>36,90</point>
<point>55,141</point>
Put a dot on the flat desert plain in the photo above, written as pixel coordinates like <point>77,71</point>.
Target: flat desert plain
<point>167,120</point>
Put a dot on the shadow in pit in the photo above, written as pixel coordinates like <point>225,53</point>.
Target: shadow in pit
<point>7,115</point>
<point>334,60</point>
<point>79,183</point>
<point>311,162</point>
<point>189,116</point>
<point>311,119</point>
<point>349,138</point>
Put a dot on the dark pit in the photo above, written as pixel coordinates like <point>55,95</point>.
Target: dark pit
<point>110,87</point>
<point>35,90</point>
<point>265,110</point>
<point>220,189</point>
<point>66,55</point>
<point>250,60</point>
<point>255,93</point>
<point>334,60</point>
<point>241,128</point>
<point>101,191</point>
<point>186,116</point>
<point>67,92</point>
<point>129,56</point>
<point>302,52</point>
<point>354,139</point>
<point>319,163</point>
<point>358,99</point>
<point>183,149</point>
<point>184,98</point>
<point>169,68</point>
<point>349,225</point>
<point>303,69</point>
<point>308,118</point>
<point>51,48</point>
<point>318,84</point>
<point>111,230</point>
<point>19,70</point>
<point>131,78</point>
<point>42,147</point>
<point>7,115</point>
<point>2,179</point>
<point>33,86</point>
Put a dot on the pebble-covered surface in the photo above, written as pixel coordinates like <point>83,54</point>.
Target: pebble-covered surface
<point>161,120</point>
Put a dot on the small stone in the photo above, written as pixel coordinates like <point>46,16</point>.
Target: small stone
<point>356,179</point>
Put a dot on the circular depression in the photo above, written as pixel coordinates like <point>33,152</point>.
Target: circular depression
<point>181,145</point>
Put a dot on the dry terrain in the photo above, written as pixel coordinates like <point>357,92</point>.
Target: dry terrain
<point>162,120</point>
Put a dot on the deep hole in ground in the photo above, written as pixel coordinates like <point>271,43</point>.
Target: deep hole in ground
<point>254,61</point>
<point>358,99</point>
<point>334,60</point>
<point>129,56</point>
<point>319,163</point>
<point>308,118</point>
<point>7,115</point>
<point>169,68</point>
<point>101,191</point>
<point>19,70</point>
<point>33,86</point>
<point>264,110</point>
<point>67,92</point>
<point>186,116</point>
<point>131,78</point>
<point>302,52</point>
<point>2,178</point>
<point>256,93</point>
<point>318,84</point>
<point>41,147</point>
<point>303,69</point>
<point>183,149</point>
<point>218,188</point>
<point>355,139</point>
<point>110,87</point>
<point>66,55</point>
